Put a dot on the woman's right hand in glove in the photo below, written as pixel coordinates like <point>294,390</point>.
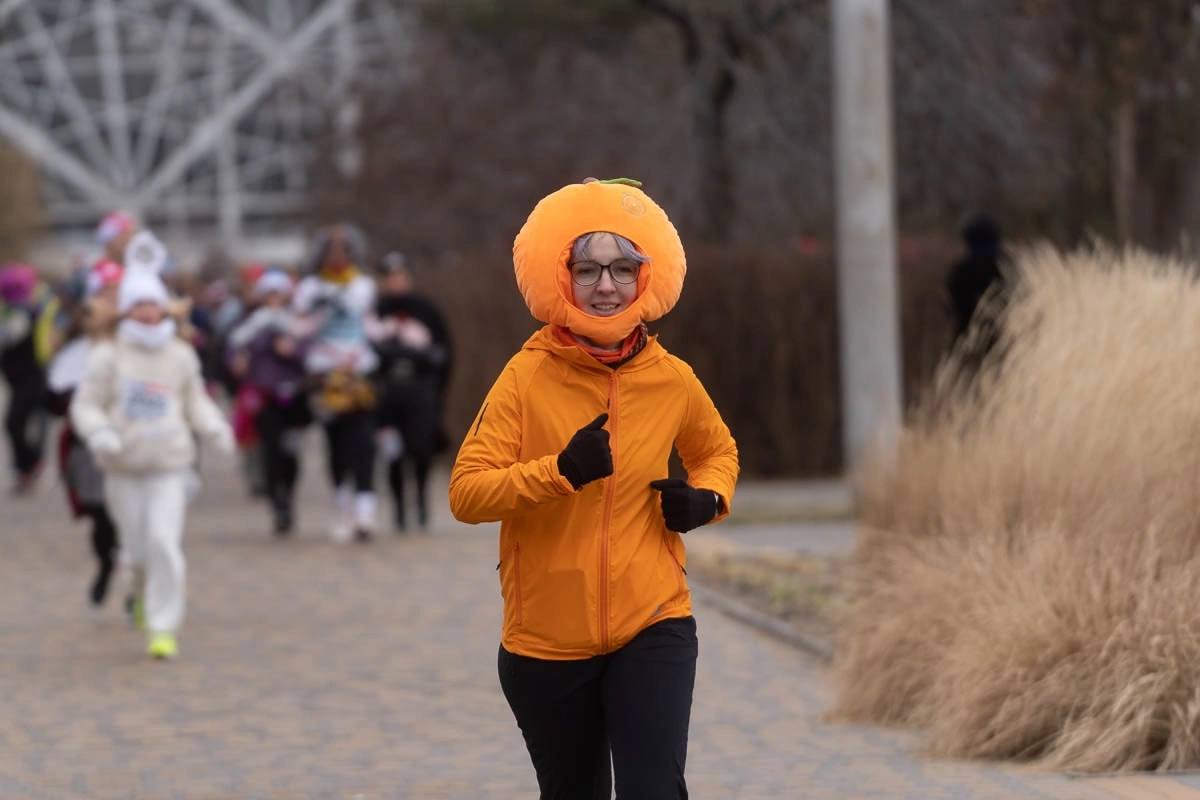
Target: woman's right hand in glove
<point>587,457</point>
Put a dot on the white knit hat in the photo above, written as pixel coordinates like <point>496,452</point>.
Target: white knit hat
<point>141,286</point>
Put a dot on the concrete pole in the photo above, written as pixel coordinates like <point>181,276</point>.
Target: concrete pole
<point>866,227</point>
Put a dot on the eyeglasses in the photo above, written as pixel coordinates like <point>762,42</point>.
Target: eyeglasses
<point>587,273</point>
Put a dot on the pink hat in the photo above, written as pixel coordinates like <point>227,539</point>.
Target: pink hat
<point>113,225</point>
<point>103,274</point>
<point>17,282</point>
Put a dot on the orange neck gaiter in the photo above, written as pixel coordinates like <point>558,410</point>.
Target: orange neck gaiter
<point>632,345</point>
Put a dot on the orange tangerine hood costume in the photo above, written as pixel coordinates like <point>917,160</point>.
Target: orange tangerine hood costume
<point>584,571</point>
<point>543,246</point>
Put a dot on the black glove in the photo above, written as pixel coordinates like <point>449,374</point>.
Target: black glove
<point>587,457</point>
<point>685,508</point>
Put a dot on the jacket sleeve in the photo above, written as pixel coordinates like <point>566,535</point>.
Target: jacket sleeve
<point>203,415</point>
<point>706,446</point>
<point>308,295</point>
<point>92,400</point>
<point>487,483</point>
<point>247,330</point>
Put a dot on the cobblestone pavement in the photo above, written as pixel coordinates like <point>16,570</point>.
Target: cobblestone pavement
<point>310,670</point>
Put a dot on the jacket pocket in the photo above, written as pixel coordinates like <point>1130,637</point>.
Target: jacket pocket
<point>680,572</point>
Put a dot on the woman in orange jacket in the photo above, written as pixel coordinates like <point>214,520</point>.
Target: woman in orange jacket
<point>569,452</point>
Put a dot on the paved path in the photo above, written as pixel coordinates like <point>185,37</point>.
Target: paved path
<point>310,670</point>
<point>824,538</point>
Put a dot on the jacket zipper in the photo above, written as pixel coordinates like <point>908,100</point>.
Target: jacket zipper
<point>610,490</point>
<point>517,578</point>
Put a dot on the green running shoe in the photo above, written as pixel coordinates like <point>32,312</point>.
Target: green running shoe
<point>135,608</point>
<point>163,646</point>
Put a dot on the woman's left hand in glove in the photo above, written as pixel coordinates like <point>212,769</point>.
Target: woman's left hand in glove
<point>684,507</point>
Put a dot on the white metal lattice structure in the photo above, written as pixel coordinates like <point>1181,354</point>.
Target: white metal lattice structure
<point>189,112</point>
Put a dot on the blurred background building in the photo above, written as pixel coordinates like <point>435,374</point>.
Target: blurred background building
<point>203,117</point>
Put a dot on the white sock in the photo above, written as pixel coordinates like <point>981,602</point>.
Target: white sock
<point>343,505</point>
<point>364,510</point>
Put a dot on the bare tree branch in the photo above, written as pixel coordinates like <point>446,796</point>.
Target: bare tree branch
<point>683,22</point>
<point>766,21</point>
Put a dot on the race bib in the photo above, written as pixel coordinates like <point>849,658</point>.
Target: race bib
<point>143,401</point>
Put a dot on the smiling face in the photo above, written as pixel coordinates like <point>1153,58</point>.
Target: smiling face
<point>605,297</point>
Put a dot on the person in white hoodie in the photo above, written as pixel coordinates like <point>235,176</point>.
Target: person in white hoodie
<point>140,407</point>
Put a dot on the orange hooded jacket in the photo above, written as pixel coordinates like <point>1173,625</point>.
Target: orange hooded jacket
<point>582,572</point>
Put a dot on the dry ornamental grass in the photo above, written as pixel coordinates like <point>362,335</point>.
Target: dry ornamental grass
<point>1027,584</point>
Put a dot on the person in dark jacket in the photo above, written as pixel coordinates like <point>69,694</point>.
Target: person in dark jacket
<point>94,317</point>
<point>413,343</point>
<point>268,357</point>
<point>976,272</point>
<point>27,310</point>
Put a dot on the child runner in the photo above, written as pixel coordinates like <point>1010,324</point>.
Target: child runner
<point>268,358</point>
<point>93,320</point>
<point>140,405</point>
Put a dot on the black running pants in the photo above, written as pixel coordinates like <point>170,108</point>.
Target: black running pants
<point>25,423</point>
<point>350,440</point>
<point>634,703</point>
<point>276,423</point>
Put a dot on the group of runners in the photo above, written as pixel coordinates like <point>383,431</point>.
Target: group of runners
<point>141,362</point>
